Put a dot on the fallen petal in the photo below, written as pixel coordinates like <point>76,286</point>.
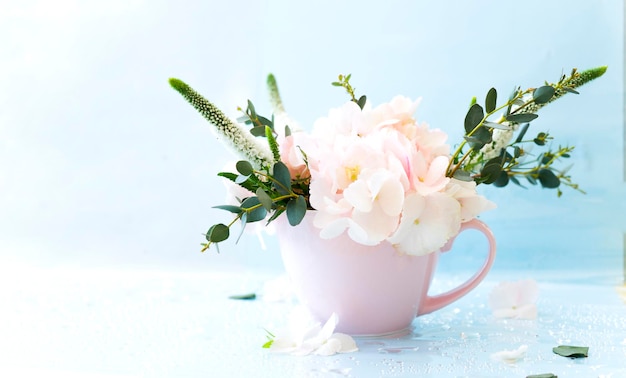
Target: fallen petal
<point>511,356</point>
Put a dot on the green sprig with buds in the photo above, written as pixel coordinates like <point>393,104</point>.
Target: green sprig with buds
<point>488,160</point>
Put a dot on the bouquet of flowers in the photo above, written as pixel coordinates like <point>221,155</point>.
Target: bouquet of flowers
<point>376,173</point>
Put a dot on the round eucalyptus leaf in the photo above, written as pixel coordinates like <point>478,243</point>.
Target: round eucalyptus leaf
<point>282,175</point>
<point>543,94</point>
<point>218,233</point>
<point>490,172</point>
<point>473,117</point>
<point>296,209</point>
<point>548,179</point>
<point>502,180</point>
<point>264,199</point>
<point>244,168</point>
<point>490,100</point>
<point>256,214</point>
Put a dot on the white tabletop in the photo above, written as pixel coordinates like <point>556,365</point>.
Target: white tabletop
<point>70,322</point>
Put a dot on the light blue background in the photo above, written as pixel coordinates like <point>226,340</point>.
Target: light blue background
<point>103,164</point>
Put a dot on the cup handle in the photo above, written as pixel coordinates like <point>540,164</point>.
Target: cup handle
<point>436,302</point>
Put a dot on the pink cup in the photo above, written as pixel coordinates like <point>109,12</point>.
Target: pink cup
<point>374,290</point>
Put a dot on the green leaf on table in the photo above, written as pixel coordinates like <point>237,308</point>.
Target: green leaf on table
<point>490,100</point>
<point>243,297</point>
<point>545,375</point>
<point>571,351</point>
<point>543,94</point>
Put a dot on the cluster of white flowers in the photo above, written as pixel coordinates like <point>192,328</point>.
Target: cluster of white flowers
<point>379,175</point>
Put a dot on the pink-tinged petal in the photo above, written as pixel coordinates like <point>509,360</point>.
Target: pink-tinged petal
<point>330,347</point>
<point>514,299</point>
<point>424,228</point>
<point>329,327</point>
<point>390,197</point>
<point>359,196</point>
<point>511,356</point>
<point>333,229</point>
<point>348,345</point>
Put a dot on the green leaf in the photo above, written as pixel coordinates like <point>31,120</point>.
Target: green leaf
<point>544,375</point>
<point>522,132</point>
<point>502,180</point>
<point>217,233</point>
<point>268,344</point>
<point>543,94</point>
<point>462,175</point>
<point>249,185</point>
<point>258,131</point>
<point>287,131</point>
<point>520,118</point>
<point>540,140</point>
<point>570,90</point>
<point>491,171</point>
<point>265,199</point>
<point>480,137</point>
<point>571,351</point>
<point>282,175</point>
<point>265,122</point>
<point>244,167</point>
<point>258,213</point>
<point>231,208</point>
<point>241,179</point>
<point>245,297</point>
<point>251,109</point>
<point>362,101</point>
<point>276,214</point>
<point>548,179</point>
<point>243,221</point>
<point>473,117</point>
<point>296,209</point>
<point>490,100</point>
<point>515,181</point>
<point>336,84</point>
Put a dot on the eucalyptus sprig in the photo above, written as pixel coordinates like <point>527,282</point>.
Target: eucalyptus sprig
<point>344,82</point>
<point>272,193</point>
<point>487,154</point>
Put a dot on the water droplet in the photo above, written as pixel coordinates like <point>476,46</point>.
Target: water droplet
<point>398,350</point>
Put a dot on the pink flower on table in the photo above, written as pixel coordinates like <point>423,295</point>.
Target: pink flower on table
<point>515,299</point>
